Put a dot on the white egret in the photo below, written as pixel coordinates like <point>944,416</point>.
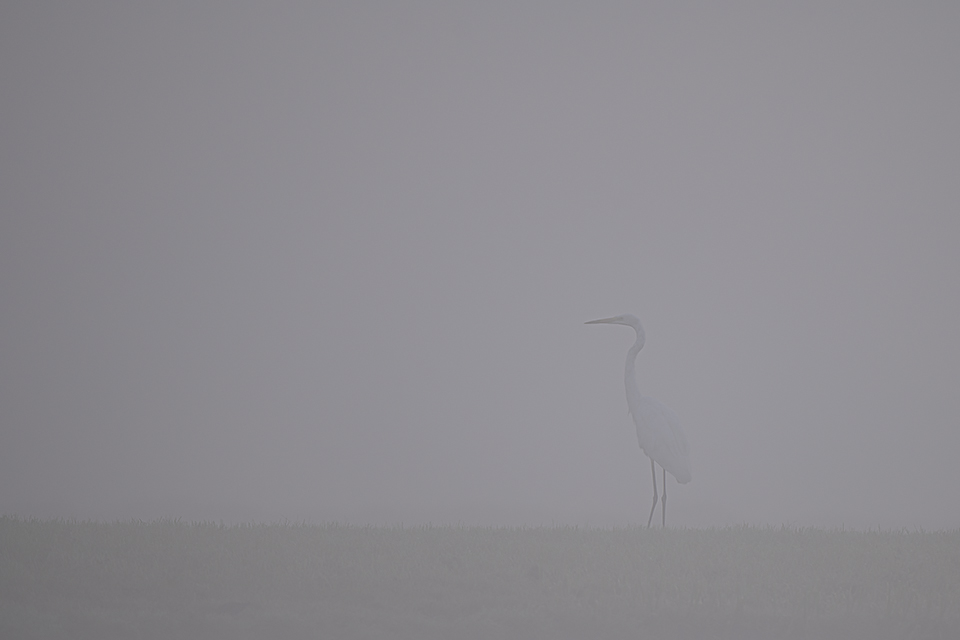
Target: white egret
<point>658,428</point>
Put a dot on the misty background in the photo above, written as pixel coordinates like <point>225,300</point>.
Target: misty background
<point>331,261</point>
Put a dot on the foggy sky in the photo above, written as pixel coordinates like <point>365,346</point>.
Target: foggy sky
<point>331,261</point>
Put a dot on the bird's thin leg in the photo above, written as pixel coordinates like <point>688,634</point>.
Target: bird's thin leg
<point>653,508</point>
<point>663,500</point>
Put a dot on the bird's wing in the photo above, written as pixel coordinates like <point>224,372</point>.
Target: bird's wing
<point>660,437</point>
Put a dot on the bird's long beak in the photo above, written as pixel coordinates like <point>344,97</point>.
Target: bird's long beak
<point>603,321</point>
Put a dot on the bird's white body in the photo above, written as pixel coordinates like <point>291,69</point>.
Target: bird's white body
<point>660,437</point>
<point>658,428</point>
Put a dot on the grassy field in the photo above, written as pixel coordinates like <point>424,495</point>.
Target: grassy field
<point>167,579</point>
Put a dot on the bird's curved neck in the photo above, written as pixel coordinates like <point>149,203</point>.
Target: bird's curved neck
<point>630,375</point>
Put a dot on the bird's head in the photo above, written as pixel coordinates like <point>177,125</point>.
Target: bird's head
<point>628,319</point>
